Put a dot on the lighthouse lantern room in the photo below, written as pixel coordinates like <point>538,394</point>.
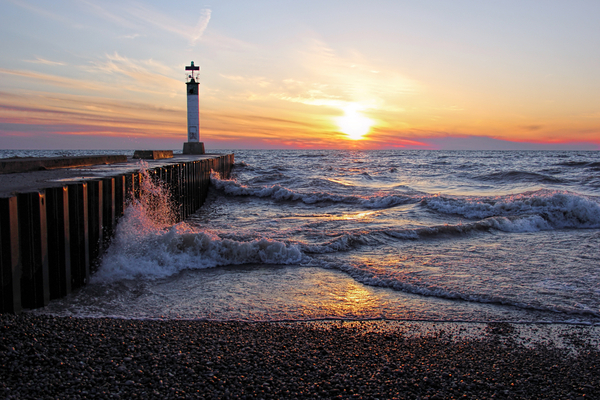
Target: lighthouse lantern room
<point>193,145</point>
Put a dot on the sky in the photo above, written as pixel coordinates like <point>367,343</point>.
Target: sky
<point>327,74</point>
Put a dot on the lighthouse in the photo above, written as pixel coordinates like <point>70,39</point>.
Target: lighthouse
<point>193,144</point>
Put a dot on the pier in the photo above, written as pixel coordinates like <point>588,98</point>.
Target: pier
<point>57,217</point>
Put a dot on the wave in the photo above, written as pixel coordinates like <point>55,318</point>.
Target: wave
<point>556,209</point>
<point>159,253</point>
<point>268,177</point>
<point>328,184</point>
<point>344,242</point>
<point>278,192</point>
<point>518,176</point>
<point>395,280</point>
<point>312,155</point>
<point>526,212</point>
<point>143,248</point>
<point>349,241</point>
<point>147,244</point>
<point>575,164</point>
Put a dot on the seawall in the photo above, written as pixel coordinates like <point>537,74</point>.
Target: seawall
<point>55,224</point>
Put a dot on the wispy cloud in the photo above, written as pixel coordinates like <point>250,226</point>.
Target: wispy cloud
<point>164,22</point>
<point>531,127</point>
<point>110,16</point>
<point>40,11</point>
<point>133,15</point>
<point>322,77</point>
<point>40,60</point>
<point>69,113</point>
<point>55,80</point>
<point>132,36</point>
<point>592,115</point>
<point>353,75</point>
<point>252,81</point>
<point>138,69</point>
<point>113,74</point>
<point>149,74</point>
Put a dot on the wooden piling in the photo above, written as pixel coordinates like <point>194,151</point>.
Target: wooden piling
<point>52,239</point>
<point>33,247</point>
<point>10,264</point>
<point>59,241</point>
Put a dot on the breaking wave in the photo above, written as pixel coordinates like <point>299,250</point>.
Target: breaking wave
<point>396,281</point>
<point>519,176</point>
<point>159,253</point>
<point>147,244</point>
<point>281,193</point>
<point>548,209</point>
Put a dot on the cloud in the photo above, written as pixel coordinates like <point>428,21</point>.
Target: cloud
<point>531,127</point>
<point>200,26</point>
<point>40,11</point>
<point>55,80</point>
<point>253,81</point>
<point>166,23</point>
<point>53,108</point>
<point>592,115</point>
<point>314,99</point>
<point>39,60</point>
<point>135,15</point>
<point>489,143</point>
<point>132,36</point>
<point>353,73</point>
<point>147,71</point>
<point>141,76</point>
<point>112,17</point>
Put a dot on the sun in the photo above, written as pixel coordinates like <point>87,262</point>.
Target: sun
<point>353,123</point>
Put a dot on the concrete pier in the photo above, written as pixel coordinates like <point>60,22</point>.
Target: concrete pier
<point>15,165</point>
<point>55,223</point>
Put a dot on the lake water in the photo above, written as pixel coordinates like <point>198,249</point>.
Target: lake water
<point>404,235</point>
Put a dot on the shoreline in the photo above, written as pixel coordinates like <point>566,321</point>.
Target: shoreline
<point>117,358</point>
<point>523,332</point>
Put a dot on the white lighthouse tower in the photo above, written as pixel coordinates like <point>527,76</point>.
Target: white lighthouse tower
<point>193,145</point>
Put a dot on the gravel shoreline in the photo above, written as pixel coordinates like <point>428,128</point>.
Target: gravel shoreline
<point>60,357</point>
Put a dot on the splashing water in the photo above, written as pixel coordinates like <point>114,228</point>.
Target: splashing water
<point>155,201</point>
<point>145,219</point>
<point>149,244</point>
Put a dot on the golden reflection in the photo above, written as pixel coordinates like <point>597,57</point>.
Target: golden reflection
<point>355,300</point>
<point>353,123</point>
<point>356,216</point>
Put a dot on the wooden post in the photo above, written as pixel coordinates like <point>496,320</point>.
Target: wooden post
<point>10,265</point>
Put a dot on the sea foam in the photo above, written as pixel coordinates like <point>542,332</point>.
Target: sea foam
<point>148,245</point>
<point>557,208</point>
<point>281,193</point>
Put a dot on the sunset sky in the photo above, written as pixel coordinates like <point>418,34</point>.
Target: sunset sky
<point>427,74</point>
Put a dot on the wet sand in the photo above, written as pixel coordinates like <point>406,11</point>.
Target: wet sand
<point>61,357</point>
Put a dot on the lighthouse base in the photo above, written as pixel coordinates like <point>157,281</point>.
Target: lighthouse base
<point>193,148</point>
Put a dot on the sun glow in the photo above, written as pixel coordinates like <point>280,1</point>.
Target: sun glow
<point>353,123</point>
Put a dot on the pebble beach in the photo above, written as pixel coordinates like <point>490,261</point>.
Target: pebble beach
<point>46,357</point>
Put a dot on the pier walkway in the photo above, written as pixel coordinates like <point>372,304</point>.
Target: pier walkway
<point>56,221</point>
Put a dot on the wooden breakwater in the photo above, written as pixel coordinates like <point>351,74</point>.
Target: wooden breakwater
<point>51,238</point>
